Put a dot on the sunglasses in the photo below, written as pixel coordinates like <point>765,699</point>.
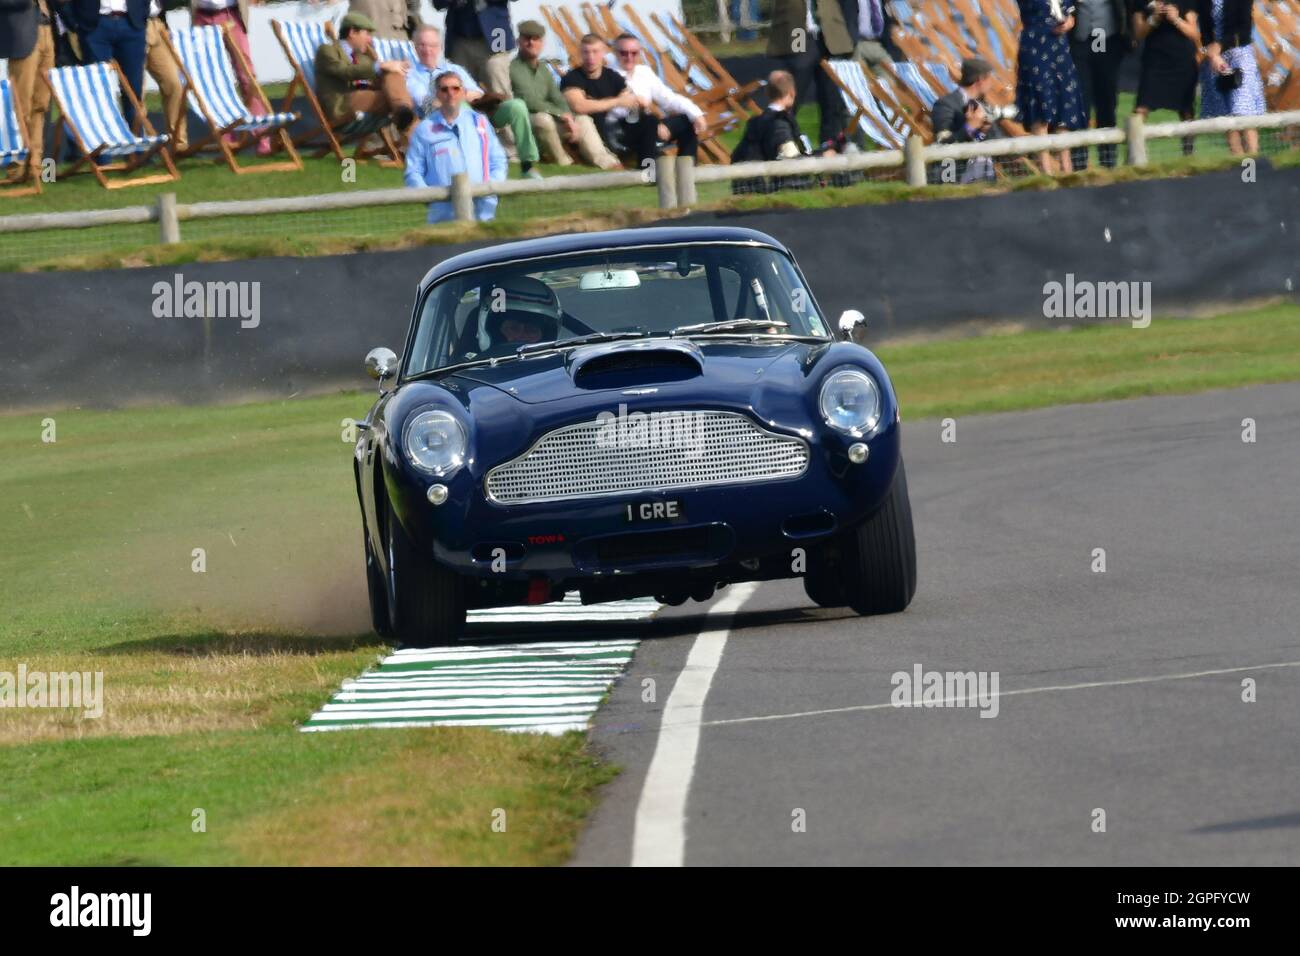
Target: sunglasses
<point>450,89</point>
<point>627,53</point>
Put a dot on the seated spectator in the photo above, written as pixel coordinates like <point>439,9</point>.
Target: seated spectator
<point>552,121</point>
<point>773,134</point>
<point>592,90</point>
<point>683,122</point>
<point>350,79</point>
<point>509,114</point>
<point>454,139</point>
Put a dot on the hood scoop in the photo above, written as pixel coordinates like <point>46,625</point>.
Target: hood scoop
<point>629,364</point>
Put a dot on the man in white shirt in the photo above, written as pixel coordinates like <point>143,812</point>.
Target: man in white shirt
<point>683,122</point>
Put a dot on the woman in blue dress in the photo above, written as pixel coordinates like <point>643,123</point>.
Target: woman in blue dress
<point>1047,87</point>
<point>1226,30</point>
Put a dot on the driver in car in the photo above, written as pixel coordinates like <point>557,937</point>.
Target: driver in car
<point>528,312</point>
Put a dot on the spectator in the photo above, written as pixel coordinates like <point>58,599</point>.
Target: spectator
<point>1097,47</point>
<point>422,80</point>
<point>350,79</point>
<point>162,67</point>
<point>1170,38</point>
<point>591,90</point>
<point>234,13</point>
<point>803,33</point>
<point>1230,83</point>
<point>27,42</point>
<point>553,123</point>
<point>868,22</point>
<point>480,38</point>
<point>745,14</point>
<point>960,116</point>
<point>393,19</point>
<point>1047,88</point>
<point>773,134</point>
<point>113,30</point>
<point>454,139</point>
<point>683,122</point>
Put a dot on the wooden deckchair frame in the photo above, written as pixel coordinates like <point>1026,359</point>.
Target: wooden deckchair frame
<point>125,167</point>
<point>24,184</point>
<point>327,136</point>
<point>217,135</point>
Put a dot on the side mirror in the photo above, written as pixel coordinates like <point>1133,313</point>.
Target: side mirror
<point>850,319</point>
<point>381,363</point>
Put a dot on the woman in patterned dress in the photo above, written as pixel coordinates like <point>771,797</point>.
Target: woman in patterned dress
<point>1047,87</point>
<point>1226,31</point>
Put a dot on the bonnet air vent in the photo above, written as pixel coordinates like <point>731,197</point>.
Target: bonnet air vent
<point>636,367</point>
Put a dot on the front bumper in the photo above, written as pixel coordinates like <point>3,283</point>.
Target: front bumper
<point>568,541</point>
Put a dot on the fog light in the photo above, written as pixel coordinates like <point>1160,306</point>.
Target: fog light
<point>437,494</point>
<point>857,454</point>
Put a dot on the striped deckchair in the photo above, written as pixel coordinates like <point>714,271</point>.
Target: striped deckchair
<point>13,146</point>
<point>387,49</point>
<point>300,41</point>
<point>204,57</point>
<point>89,99</point>
<point>864,111</point>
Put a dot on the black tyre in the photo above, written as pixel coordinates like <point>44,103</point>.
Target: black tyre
<point>878,558</point>
<point>426,602</point>
<point>377,592</point>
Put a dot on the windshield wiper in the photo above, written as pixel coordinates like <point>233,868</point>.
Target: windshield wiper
<point>732,325</point>
<point>472,363</point>
<point>578,340</point>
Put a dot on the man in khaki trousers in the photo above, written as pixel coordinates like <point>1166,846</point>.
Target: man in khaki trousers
<point>161,65</point>
<point>29,48</point>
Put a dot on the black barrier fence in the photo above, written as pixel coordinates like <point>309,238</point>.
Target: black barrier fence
<point>285,326</point>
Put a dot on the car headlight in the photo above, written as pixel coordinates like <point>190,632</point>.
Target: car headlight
<point>435,442</point>
<point>850,401</point>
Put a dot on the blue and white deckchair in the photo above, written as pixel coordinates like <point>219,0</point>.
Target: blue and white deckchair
<point>13,141</point>
<point>204,56</point>
<point>300,41</point>
<point>910,75</point>
<point>90,99</point>
<point>386,49</point>
<point>864,110</point>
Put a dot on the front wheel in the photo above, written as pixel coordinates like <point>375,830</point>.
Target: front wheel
<point>878,558</point>
<point>426,602</point>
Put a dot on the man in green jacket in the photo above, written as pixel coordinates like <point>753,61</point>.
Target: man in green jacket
<point>350,79</point>
<point>803,33</point>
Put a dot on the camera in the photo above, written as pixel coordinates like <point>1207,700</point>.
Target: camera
<point>994,113</point>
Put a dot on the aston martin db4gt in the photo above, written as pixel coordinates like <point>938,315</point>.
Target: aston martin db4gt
<point>648,412</point>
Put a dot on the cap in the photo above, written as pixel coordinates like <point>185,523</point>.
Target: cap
<point>531,28</point>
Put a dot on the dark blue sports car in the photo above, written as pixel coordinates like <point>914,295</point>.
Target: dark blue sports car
<point>648,412</point>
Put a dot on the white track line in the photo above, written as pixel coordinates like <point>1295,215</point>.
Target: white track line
<point>659,835</point>
<point>1153,679</point>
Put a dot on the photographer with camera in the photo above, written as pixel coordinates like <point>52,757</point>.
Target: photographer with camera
<point>964,115</point>
<point>1230,83</point>
<point>1169,36</point>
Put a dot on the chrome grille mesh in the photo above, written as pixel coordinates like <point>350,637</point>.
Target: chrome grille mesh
<point>581,460</point>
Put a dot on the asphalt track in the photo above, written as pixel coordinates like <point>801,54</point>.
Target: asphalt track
<point>1100,706</point>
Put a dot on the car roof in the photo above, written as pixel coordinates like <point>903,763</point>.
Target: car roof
<point>591,242</point>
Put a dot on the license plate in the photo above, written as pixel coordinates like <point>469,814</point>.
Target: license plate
<point>654,511</point>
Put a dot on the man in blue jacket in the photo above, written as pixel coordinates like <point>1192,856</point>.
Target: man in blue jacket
<point>480,38</point>
<point>455,139</point>
<point>112,30</point>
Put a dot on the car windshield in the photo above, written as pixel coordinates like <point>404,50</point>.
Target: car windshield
<point>687,290</point>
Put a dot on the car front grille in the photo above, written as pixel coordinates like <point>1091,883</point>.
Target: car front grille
<point>685,450</point>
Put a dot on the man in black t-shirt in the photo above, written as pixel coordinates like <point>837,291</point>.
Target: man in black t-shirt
<point>593,89</point>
